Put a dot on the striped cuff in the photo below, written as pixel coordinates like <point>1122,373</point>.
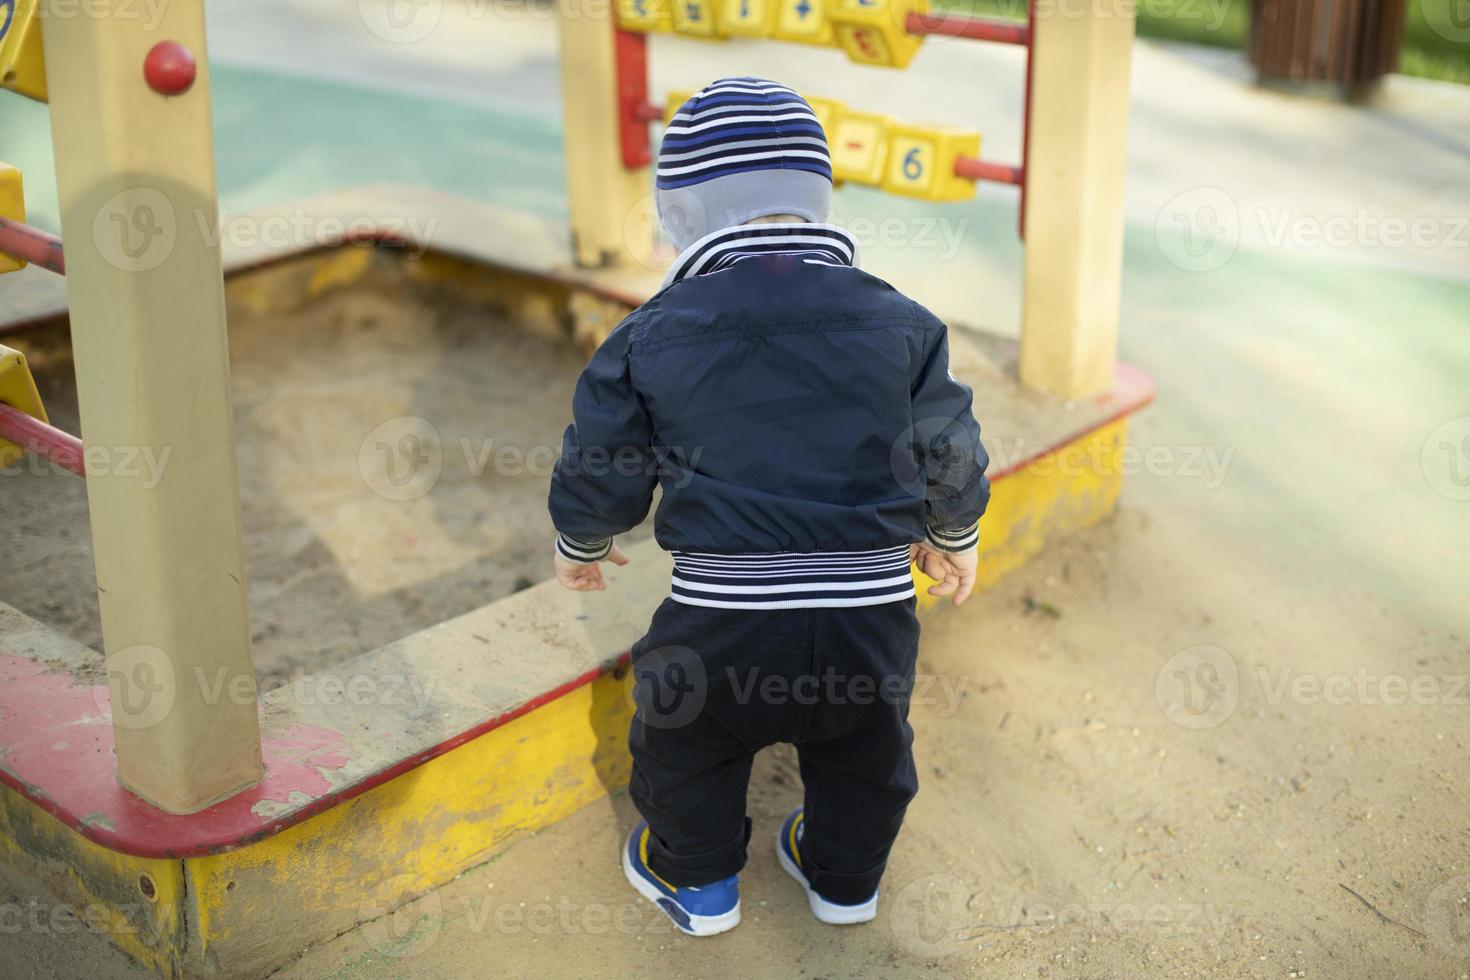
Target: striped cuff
<point>582,552</point>
<point>961,540</point>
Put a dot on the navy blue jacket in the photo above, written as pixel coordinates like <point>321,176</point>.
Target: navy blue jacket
<point>787,403</point>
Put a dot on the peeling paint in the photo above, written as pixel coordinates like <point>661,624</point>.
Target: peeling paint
<point>98,819</point>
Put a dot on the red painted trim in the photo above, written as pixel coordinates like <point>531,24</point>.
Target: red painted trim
<point>32,245</point>
<point>46,441</point>
<point>134,827</point>
<point>141,830</point>
<point>973,169</point>
<point>630,57</point>
<point>1026,116</point>
<point>972,28</point>
<point>1133,391</point>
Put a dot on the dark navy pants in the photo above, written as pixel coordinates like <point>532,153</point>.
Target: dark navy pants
<point>714,686</point>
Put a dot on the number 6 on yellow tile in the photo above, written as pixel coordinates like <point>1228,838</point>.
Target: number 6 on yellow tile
<point>921,162</point>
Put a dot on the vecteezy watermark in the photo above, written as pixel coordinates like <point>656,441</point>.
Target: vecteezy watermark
<point>1449,19</point>
<point>940,236</point>
<point>565,917</point>
<point>670,686</point>
<point>141,463</point>
<point>940,915</point>
<point>931,916</point>
<point>417,926</point>
<point>1361,228</point>
<point>414,691</point>
<point>835,688</point>
<point>402,932</point>
<point>401,21</point>
<point>299,228</point>
<point>135,229</point>
<point>64,919</point>
<point>410,21</point>
<point>1200,687</point>
<point>138,228</point>
<point>150,12</point>
<point>143,686</point>
<point>1207,464</point>
<point>1447,916</point>
<point>1213,12</point>
<point>932,452</point>
<point>401,459</point>
<point>1198,230</point>
<point>1445,459</point>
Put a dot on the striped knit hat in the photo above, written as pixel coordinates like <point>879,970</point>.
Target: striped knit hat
<point>740,149</point>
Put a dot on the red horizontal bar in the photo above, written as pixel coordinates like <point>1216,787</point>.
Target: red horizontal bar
<point>967,167</point>
<point>1002,173</point>
<point>648,112</point>
<point>32,245</point>
<point>974,28</point>
<point>46,441</point>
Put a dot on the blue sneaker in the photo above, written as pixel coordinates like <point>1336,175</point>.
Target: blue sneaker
<point>705,910</point>
<point>788,852</point>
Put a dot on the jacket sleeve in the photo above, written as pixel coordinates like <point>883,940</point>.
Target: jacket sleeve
<point>603,483</point>
<point>947,442</point>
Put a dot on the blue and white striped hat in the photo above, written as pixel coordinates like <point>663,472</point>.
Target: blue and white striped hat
<point>740,149</point>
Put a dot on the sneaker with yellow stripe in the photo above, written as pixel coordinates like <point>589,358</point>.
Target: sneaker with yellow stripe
<point>703,910</point>
<point>788,852</point>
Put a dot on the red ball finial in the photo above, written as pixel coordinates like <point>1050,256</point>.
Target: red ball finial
<point>169,68</point>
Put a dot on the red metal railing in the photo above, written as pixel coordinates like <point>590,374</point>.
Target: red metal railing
<point>630,54</point>
<point>635,111</point>
<point>974,28</point>
<point>46,441</point>
<point>1001,173</point>
<point>32,245</point>
<point>968,167</point>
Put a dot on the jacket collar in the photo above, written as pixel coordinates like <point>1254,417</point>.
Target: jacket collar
<point>820,243</point>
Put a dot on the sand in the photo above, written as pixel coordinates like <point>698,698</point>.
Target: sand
<point>1224,734</point>
<point>350,411</point>
<point>1066,826</point>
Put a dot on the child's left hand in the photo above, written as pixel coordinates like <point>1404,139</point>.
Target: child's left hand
<point>586,576</point>
<point>954,570</point>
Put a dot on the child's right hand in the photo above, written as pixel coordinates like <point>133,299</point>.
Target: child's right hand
<point>955,570</point>
<point>586,576</point>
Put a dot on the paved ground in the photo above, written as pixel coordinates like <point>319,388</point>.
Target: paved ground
<point>463,96</point>
<point>1223,735</point>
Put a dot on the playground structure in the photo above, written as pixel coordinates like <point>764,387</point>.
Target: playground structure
<point>212,797</point>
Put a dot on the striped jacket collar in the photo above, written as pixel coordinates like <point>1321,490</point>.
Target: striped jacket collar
<point>821,243</point>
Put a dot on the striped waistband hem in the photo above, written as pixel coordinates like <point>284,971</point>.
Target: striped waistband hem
<point>793,580</point>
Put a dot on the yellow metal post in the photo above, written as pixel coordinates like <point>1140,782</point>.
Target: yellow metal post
<point>611,206</point>
<point>136,184</point>
<point>1075,159</point>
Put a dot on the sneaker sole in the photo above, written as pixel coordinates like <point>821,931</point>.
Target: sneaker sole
<point>699,925</point>
<point>825,911</point>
